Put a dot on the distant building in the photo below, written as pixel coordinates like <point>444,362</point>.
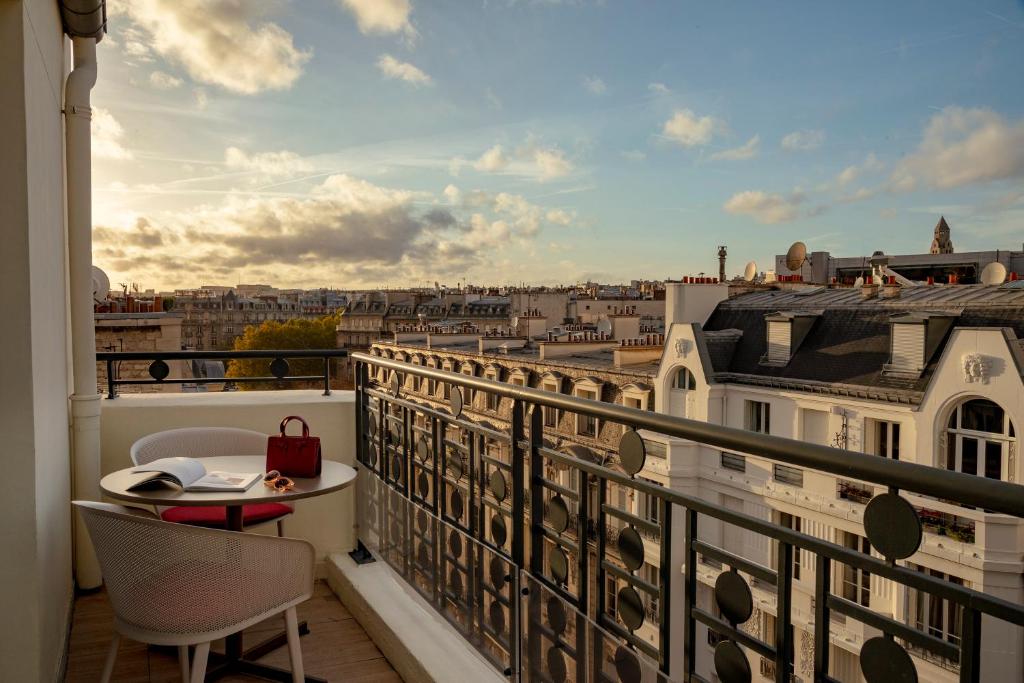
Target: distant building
<point>940,264</point>
<point>138,332</point>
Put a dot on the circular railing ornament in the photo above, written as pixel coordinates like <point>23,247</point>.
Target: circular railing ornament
<point>496,613</point>
<point>556,615</point>
<point>455,544</point>
<point>556,665</point>
<point>456,508</point>
<point>423,484</point>
<point>499,488</point>
<point>886,661</point>
<point>395,385</point>
<point>396,467</point>
<point>423,448</point>
<point>631,548</point>
<point>455,401</point>
<point>455,467</point>
<point>558,514</point>
<point>892,526</point>
<point>371,427</point>
<point>279,368</point>
<point>498,572</point>
<point>423,555</point>
<point>422,521</point>
<point>630,608</point>
<point>734,597</point>
<point>632,452</point>
<point>627,666</point>
<point>371,455</point>
<point>159,370</point>
<point>455,583</point>
<point>559,565</point>
<point>731,665</point>
<point>499,533</point>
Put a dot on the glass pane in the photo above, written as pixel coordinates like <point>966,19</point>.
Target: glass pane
<point>982,416</point>
<point>969,455</point>
<point>993,460</point>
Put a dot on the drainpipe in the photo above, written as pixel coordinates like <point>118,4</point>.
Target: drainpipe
<point>85,401</point>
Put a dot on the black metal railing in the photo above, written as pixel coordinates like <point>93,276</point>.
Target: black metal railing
<point>472,530</point>
<point>278,368</point>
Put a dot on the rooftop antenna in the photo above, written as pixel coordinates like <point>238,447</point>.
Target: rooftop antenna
<point>796,257</point>
<point>100,285</point>
<point>993,274</point>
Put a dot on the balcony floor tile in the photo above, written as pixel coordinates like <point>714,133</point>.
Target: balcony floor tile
<point>337,648</point>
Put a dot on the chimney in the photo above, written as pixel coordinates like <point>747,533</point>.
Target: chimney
<point>891,289</point>
<point>868,290</point>
<point>692,303</point>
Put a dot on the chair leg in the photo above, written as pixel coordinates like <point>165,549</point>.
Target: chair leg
<point>183,662</point>
<point>280,527</point>
<point>291,621</point>
<point>199,662</point>
<point>108,667</point>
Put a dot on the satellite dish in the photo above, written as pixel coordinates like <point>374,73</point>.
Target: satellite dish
<point>796,256</point>
<point>604,326</point>
<point>993,274</point>
<point>750,271</point>
<point>100,284</point>
<point>859,282</point>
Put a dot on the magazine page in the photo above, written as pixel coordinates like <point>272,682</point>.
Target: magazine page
<point>224,481</point>
<point>181,471</point>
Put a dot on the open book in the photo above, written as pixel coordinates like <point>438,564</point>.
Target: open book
<point>190,475</point>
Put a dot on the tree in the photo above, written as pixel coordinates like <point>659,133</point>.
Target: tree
<point>273,335</point>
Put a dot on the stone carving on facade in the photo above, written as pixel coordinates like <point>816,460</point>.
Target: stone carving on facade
<point>976,368</point>
<point>806,654</point>
<point>682,348</point>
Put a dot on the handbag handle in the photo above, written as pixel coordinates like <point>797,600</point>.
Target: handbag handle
<point>284,423</point>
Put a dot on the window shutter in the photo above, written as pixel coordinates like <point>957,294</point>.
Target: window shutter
<point>907,347</point>
<point>778,341</point>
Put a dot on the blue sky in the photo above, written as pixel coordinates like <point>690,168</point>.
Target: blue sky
<point>360,143</point>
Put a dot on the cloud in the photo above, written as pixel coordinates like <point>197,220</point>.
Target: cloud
<point>164,81</point>
<point>659,88</point>
<point>382,16</point>
<point>492,160</point>
<point>745,151</point>
<point>560,216</point>
<point>595,85</point>
<point>551,163</point>
<point>107,136</point>
<point>283,163</point>
<point>689,130</point>
<point>453,194</point>
<point>851,173</point>
<point>766,207</point>
<point>393,68</point>
<point>803,140</point>
<point>961,147</point>
<point>227,44</point>
<point>201,98</point>
<point>634,155</point>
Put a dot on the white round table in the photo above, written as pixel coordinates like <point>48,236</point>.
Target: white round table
<point>334,476</point>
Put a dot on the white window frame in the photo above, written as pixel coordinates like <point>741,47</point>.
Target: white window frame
<point>956,436</point>
<point>591,391</point>
<point>757,416</point>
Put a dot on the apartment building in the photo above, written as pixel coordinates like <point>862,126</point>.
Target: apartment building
<point>923,374</point>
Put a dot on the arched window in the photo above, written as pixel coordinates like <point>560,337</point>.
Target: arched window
<point>978,439</point>
<point>684,379</point>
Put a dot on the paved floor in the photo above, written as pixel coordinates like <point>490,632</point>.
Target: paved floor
<point>336,648</point>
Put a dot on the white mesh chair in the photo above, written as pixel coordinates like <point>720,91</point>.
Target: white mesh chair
<point>171,584</point>
<point>209,442</point>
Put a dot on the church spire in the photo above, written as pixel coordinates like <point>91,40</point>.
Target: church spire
<point>942,244</point>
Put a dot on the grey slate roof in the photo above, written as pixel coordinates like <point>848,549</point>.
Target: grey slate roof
<point>849,342</point>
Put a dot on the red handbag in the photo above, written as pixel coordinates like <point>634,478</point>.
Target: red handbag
<point>294,456</point>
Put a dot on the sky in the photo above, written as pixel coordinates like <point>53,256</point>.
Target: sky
<point>369,143</point>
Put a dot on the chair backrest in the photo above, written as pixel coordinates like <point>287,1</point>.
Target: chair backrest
<point>198,442</point>
<point>189,583</point>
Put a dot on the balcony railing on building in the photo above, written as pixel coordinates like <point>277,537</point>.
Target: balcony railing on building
<point>519,563</point>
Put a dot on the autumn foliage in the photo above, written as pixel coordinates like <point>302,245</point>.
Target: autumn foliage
<point>288,335</point>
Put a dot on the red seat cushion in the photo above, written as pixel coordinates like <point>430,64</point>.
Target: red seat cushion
<point>216,516</point>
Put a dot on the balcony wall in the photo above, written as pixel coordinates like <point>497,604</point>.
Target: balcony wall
<point>326,521</point>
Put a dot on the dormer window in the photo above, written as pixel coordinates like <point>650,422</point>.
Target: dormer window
<point>786,331</point>
<point>914,339</point>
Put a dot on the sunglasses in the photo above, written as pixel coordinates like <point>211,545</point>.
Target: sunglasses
<point>275,480</point>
